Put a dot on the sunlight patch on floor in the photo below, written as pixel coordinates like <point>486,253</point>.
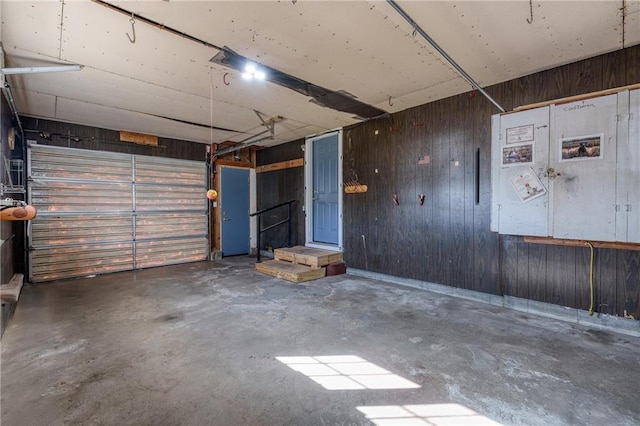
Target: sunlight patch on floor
<point>346,372</point>
<point>425,414</point>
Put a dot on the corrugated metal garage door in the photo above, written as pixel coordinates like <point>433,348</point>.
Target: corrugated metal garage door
<point>102,212</point>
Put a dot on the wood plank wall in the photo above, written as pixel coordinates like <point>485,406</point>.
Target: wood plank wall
<point>447,239</point>
<point>279,186</point>
<point>93,138</point>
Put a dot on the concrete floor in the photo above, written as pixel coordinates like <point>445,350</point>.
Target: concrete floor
<point>197,345</point>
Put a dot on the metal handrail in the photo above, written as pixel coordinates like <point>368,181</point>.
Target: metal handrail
<point>282,222</point>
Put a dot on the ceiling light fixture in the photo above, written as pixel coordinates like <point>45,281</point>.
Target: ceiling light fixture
<point>252,71</point>
<point>338,100</point>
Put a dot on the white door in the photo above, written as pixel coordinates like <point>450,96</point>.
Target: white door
<point>323,170</point>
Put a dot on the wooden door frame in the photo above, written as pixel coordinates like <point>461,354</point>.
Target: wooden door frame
<point>246,159</point>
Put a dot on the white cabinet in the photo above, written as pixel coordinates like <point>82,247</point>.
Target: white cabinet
<point>570,170</point>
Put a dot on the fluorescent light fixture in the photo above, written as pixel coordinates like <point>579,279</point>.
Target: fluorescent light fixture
<point>247,76</point>
<point>250,68</point>
<point>260,75</point>
<point>33,70</point>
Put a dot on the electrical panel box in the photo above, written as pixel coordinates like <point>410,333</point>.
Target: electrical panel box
<point>570,170</point>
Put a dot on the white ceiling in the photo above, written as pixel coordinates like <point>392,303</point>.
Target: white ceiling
<point>362,47</point>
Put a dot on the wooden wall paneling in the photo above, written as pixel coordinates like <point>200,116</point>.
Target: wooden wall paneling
<point>632,65</point>
<point>368,202</point>
<point>485,242</point>
<point>441,197</point>
<point>583,259</point>
<point>537,271</point>
<point>613,70</point>
<point>628,289</point>
<point>522,285</point>
<point>434,181</point>
<point>404,188</point>
<point>360,210</point>
<point>410,240</point>
<point>353,204</point>
<point>391,226</point>
<point>579,77</point>
<point>430,264</point>
<point>509,271</point>
<point>470,148</point>
<point>78,136</point>
<point>561,276</point>
<point>459,164</point>
<point>283,152</point>
<point>521,91</point>
<point>424,175</point>
<point>277,187</point>
<point>385,258</point>
<point>271,195</point>
<point>606,280</point>
<point>296,177</point>
<point>377,194</point>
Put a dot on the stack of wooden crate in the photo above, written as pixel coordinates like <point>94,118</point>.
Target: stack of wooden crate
<point>298,264</point>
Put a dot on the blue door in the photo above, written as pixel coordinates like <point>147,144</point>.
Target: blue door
<point>234,202</point>
<point>325,190</point>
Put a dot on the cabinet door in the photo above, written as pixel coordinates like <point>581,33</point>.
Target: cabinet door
<point>520,155</point>
<point>583,155</point>
<point>629,166</point>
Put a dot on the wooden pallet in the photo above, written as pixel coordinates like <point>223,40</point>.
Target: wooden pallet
<point>313,257</point>
<point>290,271</point>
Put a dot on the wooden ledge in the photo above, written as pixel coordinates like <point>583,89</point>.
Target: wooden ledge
<point>298,162</point>
<point>10,292</point>
<point>575,98</point>
<point>582,243</point>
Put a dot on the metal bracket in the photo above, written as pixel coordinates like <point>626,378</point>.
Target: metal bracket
<point>10,202</point>
<point>269,123</point>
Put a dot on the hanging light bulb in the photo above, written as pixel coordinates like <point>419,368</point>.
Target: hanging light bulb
<point>259,75</point>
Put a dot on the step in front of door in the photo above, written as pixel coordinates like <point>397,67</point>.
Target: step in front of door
<point>290,271</point>
<point>309,256</point>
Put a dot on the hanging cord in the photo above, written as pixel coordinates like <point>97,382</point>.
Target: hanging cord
<point>530,21</point>
<point>211,107</point>
<point>590,278</point>
<point>133,29</point>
